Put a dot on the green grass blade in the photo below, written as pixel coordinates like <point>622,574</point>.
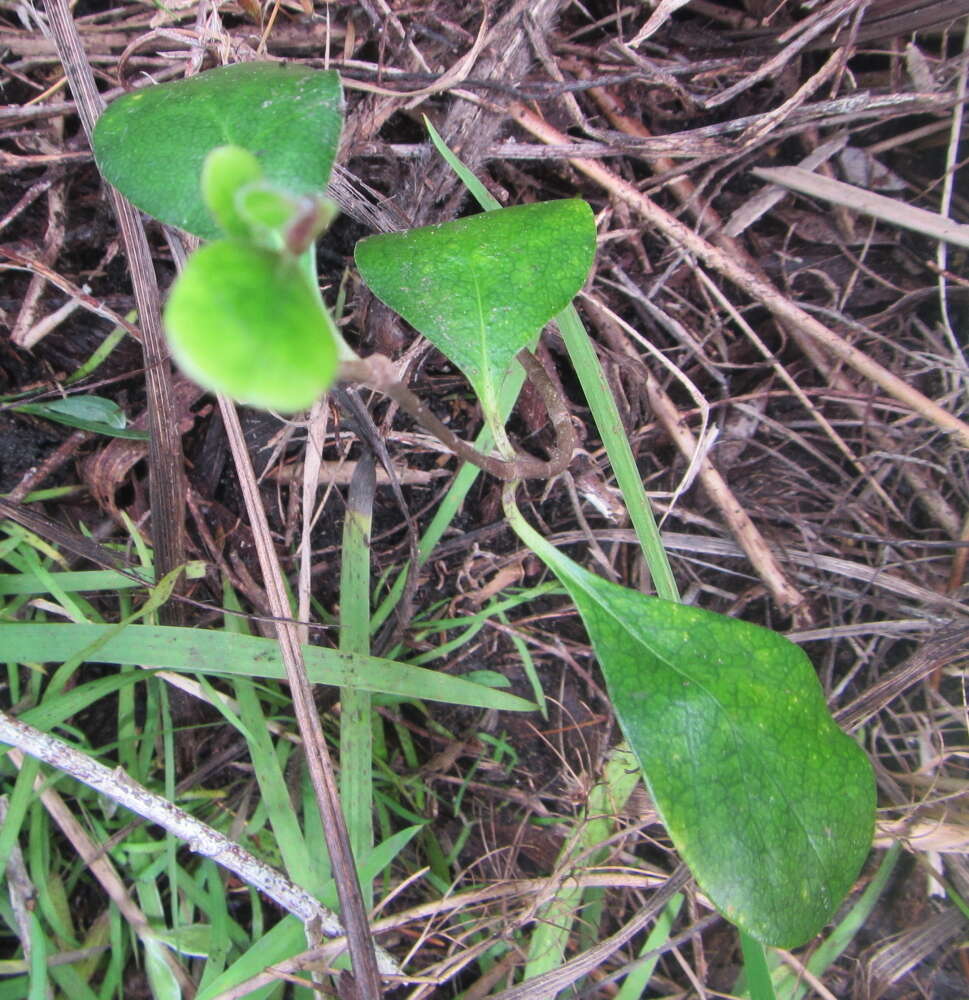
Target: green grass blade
<point>755,966</point>
<point>286,939</point>
<point>38,960</point>
<point>556,919</point>
<point>634,985</point>
<point>219,919</point>
<point>481,194</point>
<point>102,352</point>
<point>70,582</point>
<point>356,713</point>
<point>224,653</point>
<point>608,423</point>
<point>274,789</point>
<point>16,809</point>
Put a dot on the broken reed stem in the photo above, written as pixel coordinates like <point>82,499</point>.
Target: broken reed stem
<point>119,787</point>
<point>359,939</point>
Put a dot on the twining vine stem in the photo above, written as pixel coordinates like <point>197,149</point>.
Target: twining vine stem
<point>378,372</point>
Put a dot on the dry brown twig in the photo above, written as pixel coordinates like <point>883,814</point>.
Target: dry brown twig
<point>756,287</point>
<point>166,476</point>
<point>365,970</point>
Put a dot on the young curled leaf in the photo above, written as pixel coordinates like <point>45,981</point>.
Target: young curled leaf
<point>225,172</point>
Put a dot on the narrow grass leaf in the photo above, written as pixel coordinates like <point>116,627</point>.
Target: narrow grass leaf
<point>274,789</point>
<point>755,966</point>
<point>634,985</point>
<point>286,939</point>
<point>228,654</point>
<point>51,712</point>
<point>891,210</point>
<point>571,903</point>
<point>481,194</point>
<point>38,960</point>
<point>194,940</point>
<point>80,581</point>
<point>218,914</point>
<point>356,710</point>
<point>86,413</point>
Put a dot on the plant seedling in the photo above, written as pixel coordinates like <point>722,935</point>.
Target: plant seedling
<point>248,154</point>
<point>770,804</point>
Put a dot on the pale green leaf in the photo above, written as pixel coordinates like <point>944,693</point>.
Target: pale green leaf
<point>244,321</point>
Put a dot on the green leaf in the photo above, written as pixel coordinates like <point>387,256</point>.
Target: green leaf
<point>224,171</point>
<point>481,288</point>
<point>244,321</point>
<point>87,413</point>
<point>233,655</point>
<point>151,143</point>
<point>770,804</point>
<point>194,940</point>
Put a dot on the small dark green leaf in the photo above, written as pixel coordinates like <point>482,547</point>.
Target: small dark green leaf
<point>87,413</point>
<point>770,804</point>
<point>151,143</point>
<point>481,288</point>
<point>244,321</point>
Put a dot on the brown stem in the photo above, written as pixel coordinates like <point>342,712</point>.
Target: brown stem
<point>378,372</point>
<point>166,484</point>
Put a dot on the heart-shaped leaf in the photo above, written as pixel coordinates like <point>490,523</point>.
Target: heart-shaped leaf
<point>481,288</point>
<point>770,804</point>
<point>151,143</point>
<point>244,320</point>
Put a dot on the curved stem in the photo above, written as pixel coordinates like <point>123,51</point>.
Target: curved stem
<point>378,372</point>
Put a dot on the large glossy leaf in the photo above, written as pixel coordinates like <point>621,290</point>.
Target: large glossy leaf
<point>480,288</point>
<point>244,321</point>
<point>151,143</point>
<point>766,799</point>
